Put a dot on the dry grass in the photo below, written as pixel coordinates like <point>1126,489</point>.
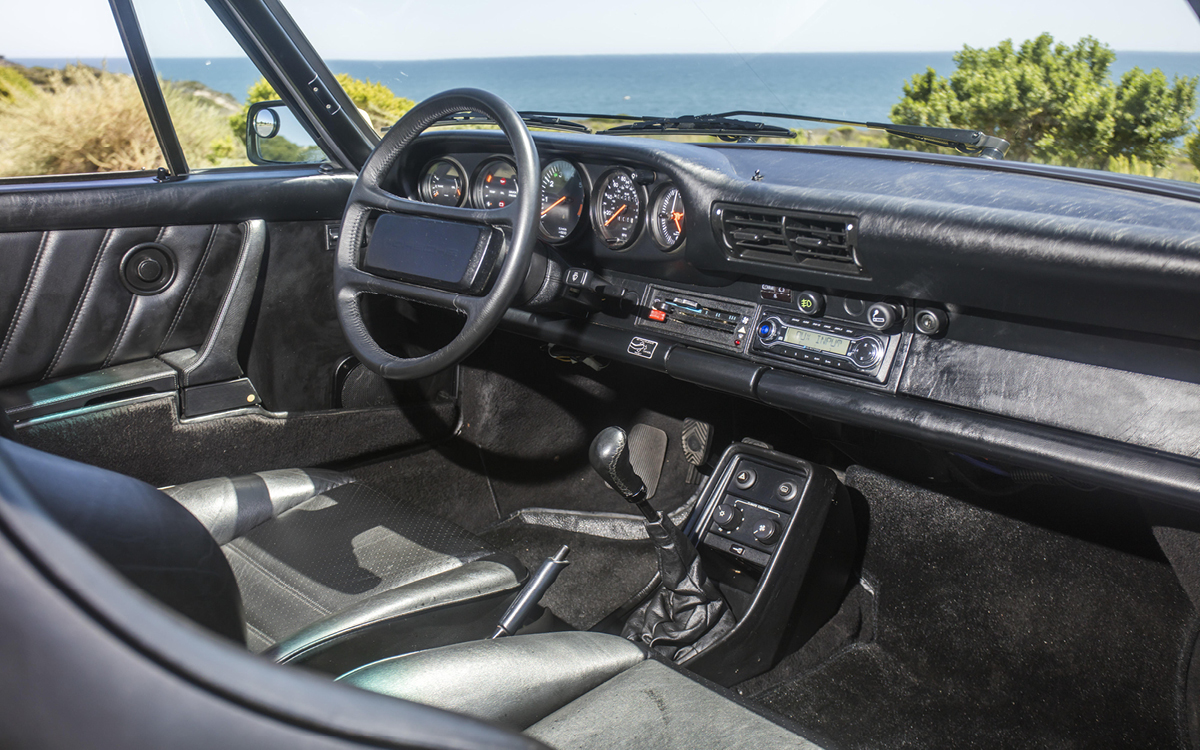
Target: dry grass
<point>98,123</point>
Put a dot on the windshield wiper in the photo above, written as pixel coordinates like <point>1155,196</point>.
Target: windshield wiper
<point>971,142</point>
<point>721,126</point>
<point>533,119</point>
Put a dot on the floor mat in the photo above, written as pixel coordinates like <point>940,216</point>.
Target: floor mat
<point>992,632</point>
<point>604,573</point>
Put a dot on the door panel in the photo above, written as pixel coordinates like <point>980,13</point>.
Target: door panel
<point>68,312</point>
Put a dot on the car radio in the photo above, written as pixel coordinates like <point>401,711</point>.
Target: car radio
<point>824,343</point>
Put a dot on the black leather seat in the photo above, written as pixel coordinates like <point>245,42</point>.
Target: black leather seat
<point>308,566</point>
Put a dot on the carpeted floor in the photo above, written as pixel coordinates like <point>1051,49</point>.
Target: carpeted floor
<point>984,632</point>
<point>603,574</point>
<point>450,481</point>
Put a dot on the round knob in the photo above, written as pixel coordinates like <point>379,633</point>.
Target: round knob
<point>811,303</point>
<point>866,352</point>
<point>149,269</point>
<point>930,321</point>
<point>883,315</point>
<point>768,330</point>
<point>766,531</point>
<point>727,516</point>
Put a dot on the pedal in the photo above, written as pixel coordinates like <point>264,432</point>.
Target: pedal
<point>697,440</point>
<point>647,453</point>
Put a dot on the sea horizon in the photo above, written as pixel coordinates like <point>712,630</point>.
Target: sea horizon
<point>840,85</point>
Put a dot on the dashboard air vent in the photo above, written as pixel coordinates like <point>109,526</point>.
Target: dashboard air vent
<point>788,238</point>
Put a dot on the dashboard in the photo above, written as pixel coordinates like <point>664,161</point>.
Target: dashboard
<point>1050,317</point>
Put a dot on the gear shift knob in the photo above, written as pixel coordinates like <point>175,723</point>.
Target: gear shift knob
<point>609,455</point>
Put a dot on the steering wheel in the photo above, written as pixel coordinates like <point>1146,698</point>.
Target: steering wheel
<point>513,227</point>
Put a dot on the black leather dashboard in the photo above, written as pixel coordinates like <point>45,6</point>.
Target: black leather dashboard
<point>1073,316</point>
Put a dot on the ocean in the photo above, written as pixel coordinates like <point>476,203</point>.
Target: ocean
<point>854,86</point>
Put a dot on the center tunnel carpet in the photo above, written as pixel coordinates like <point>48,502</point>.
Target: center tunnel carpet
<point>991,632</point>
<point>452,481</point>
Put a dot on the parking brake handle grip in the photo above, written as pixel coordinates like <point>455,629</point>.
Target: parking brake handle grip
<point>609,455</point>
<point>518,613</point>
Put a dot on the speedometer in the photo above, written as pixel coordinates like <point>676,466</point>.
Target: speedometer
<point>495,184</point>
<point>618,209</point>
<point>563,199</point>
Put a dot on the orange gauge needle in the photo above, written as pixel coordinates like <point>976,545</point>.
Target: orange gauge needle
<point>618,213</point>
<point>552,205</point>
<point>676,216</point>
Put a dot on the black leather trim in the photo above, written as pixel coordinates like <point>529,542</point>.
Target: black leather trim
<point>512,681</point>
<point>138,530</point>
<point>66,309</point>
<point>299,193</point>
<point>111,656</point>
<point>1127,406</point>
<point>147,376</point>
<point>229,507</point>
<point>217,359</point>
<point>389,622</point>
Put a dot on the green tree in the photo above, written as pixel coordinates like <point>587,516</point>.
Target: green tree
<point>382,106</point>
<point>1054,103</point>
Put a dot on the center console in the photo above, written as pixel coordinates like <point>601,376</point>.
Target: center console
<point>777,535</point>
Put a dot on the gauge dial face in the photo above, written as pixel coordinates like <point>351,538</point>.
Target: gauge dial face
<point>563,199</point>
<point>495,185</point>
<point>618,210</point>
<point>667,219</point>
<point>444,182</point>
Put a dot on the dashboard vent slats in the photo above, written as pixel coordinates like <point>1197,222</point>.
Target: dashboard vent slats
<point>788,238</point>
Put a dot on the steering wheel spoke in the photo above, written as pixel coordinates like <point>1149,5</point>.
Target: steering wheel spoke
<point>382,200</point>
<point>362,282</point>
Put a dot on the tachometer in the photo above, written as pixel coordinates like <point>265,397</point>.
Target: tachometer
<point>618,210</point>
<point>666,218</point>
<point>563,199</point>
<point>495,184</point>
<point>444,182</point>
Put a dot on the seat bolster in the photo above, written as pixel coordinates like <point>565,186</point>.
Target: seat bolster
<point>509,681</point>
<point>231,506</point>
<point>371,622</point>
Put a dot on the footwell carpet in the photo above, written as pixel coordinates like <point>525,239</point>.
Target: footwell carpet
<point>988,632</point>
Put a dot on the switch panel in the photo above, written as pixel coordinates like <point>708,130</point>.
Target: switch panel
<point>752,510</point>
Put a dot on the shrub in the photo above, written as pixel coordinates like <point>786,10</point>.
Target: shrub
<point>1054,103</point>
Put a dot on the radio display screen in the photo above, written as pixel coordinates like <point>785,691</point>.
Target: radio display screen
<point>819,341</point>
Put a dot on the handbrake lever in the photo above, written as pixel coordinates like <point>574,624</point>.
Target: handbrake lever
<point>519,611</point>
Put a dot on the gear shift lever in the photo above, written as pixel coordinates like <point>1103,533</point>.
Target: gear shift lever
<point>686,605</point>
<point>609,455</point>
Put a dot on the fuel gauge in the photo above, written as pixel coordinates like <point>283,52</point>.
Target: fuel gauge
<point>667,225</point>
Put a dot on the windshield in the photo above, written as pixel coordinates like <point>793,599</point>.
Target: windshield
<point>1102,85</point>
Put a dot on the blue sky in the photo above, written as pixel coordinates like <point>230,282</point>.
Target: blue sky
<point>429,29</point>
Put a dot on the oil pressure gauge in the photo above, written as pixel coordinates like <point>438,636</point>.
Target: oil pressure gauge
<point>667,225</point>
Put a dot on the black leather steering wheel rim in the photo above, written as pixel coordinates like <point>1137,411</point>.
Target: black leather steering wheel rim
<point>518,223</point>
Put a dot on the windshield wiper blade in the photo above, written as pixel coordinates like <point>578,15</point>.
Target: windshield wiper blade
<point>534,119</point>
<point>971,142</point>
<point>721,126</point>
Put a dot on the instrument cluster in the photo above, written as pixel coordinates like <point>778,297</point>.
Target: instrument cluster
<point>617,206</point>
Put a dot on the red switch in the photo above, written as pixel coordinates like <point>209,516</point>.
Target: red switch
<point>659,315</point>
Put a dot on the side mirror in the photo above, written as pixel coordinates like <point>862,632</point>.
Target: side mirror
<point>264,144</point>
